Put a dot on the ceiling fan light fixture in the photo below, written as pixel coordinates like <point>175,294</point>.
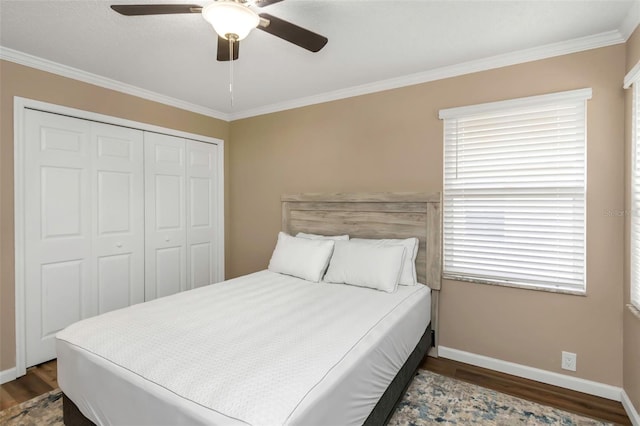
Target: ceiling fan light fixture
<point>231,18</point>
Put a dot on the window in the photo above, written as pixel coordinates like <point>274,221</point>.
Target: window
<point>514,192</point>
<point>635,198</point>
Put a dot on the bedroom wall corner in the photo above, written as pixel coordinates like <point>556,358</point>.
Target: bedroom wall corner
<point>631,323</point>
<point>392,141</point>
<point>19,80</point>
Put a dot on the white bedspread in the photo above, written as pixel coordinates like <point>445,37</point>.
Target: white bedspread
<point>251,349</point>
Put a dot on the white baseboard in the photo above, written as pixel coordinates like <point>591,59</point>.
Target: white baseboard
<point>8,375</point>
<point>630,409</point>
<point>544,376</point>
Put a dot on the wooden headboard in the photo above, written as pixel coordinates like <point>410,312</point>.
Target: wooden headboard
<point>373,215</point>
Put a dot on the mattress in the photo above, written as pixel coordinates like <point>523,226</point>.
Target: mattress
<point>262,349</point>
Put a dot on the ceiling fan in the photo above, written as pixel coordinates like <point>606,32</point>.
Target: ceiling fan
<point>233,20</point>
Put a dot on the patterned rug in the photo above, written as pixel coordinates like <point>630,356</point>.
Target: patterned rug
<point>431,399</point>
<point>435,399</point>
<point>40,411</point>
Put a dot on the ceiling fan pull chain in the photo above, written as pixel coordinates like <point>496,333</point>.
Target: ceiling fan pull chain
<point>231,68</point>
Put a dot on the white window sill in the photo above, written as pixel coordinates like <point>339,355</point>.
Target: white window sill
<point>634,310</point>
<point>560,290</point>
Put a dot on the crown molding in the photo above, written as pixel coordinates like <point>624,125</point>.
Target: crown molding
<point>42,64</point>
<point>528,55</point>
<point>533,54</point>
<point>631,21</point>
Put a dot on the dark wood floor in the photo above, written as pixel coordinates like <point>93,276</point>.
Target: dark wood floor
<point>38,380</point>
<point>43,378</point>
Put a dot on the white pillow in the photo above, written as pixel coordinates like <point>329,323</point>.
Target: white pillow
<point>322,237</point>
<point>366,265</point>
<point>300,257</point>
<point>408,276</point>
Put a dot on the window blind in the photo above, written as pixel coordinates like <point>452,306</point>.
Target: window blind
<point>635,199</point>
<point>514,192</point>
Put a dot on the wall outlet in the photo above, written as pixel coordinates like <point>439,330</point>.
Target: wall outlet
<point>568,361</point>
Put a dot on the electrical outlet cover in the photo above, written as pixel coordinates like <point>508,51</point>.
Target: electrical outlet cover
<point>569,361</point>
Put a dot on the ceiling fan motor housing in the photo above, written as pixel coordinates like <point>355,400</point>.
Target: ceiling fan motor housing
<point>231,19</point>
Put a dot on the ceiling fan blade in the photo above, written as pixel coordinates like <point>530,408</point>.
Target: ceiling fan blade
<point>263,3</point>
<point>293,33</point>
<point>223,49</point>
<point>155,9</point>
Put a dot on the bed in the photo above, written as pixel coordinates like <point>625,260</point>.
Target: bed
<point>266,348</point>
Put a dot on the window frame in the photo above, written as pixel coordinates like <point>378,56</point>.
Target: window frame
<point>633,81</point>
<point>576,96</point>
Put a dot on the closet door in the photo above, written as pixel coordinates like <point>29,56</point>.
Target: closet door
<point>58,285</point>
<point>113,216</point>
<point>202,207</point>
<point>165,221</point>
<point>118,208</point>
<point>84,239</point>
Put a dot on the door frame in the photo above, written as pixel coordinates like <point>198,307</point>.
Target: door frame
<point>20,105</point>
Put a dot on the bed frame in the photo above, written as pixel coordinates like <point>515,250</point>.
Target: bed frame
<point>366,215</point>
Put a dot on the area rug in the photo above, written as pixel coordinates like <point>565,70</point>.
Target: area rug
<point>43,410</point>
<point>430,399</point>
<point>435,399</point>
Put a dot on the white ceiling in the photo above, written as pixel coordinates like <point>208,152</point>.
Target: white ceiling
<point>369,42</point>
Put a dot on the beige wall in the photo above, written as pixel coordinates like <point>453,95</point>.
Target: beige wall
<point>392,141</point>
<point>631,348</point>
<point>17,80</point>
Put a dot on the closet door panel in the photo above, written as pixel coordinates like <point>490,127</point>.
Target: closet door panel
<point>165,215</point>
<point>61,201</point>
<point>201,267</point>
<point>58,285</point>
<point>169,200</point>
<point>62,289</point>
<point>116,282</point>
<point>201,218</point>
<point>169,270</point>
<point>115,189</point>
<point>118,206</point>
